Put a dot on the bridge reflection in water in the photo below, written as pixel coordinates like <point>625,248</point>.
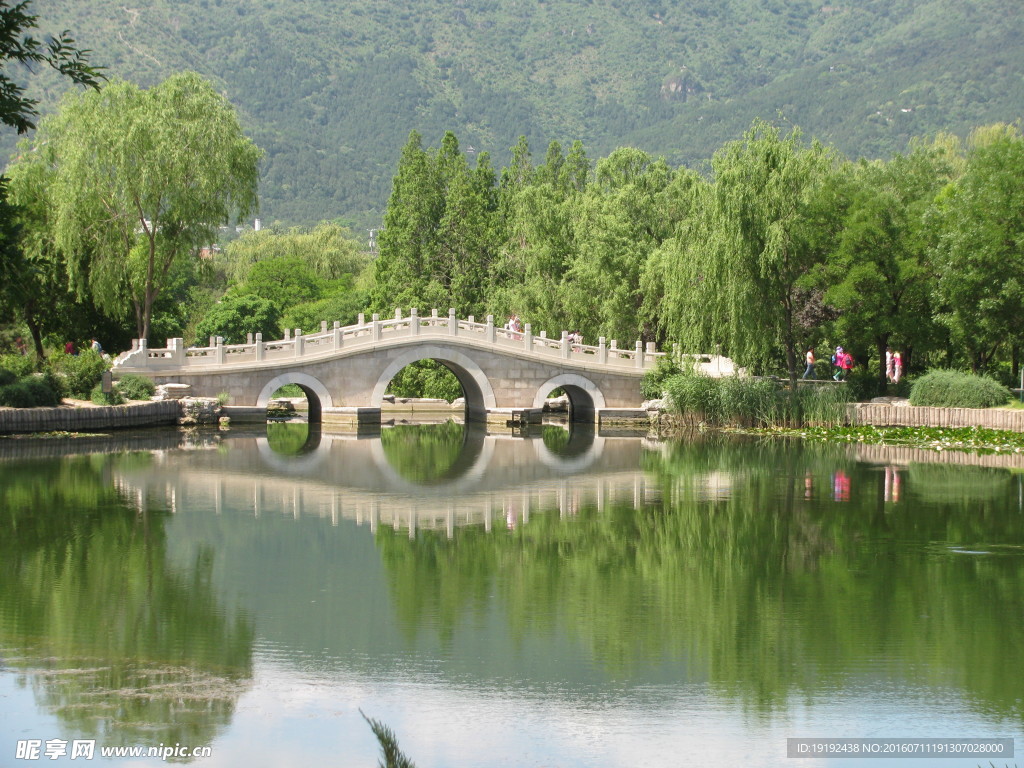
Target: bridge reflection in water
<point>472,478</point>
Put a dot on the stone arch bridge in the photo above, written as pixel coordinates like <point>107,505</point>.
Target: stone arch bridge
<point>345,371</point>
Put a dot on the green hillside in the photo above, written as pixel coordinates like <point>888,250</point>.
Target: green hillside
<point>331,88</point>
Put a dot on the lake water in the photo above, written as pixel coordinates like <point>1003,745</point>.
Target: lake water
<point>556,599</point>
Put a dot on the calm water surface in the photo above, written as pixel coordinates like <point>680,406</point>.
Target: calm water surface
<point>562,599</point>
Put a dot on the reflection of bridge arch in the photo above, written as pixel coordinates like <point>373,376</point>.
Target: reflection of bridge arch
<point>299,464</point>
<point>582,450</point>
<point>584,396</point>
<point>316,393</point>
<point>467,469</point>
<point>475,386</point>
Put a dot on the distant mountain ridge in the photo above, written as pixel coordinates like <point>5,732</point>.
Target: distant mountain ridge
<point>331,88</point>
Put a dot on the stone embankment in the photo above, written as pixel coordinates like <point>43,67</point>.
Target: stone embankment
<point>88,419</point>
<point>901,415</point>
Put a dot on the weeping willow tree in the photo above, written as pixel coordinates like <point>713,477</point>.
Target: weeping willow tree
<point>141,179</point>
<point>740,267</point>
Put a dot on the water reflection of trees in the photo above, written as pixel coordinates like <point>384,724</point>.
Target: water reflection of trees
<point>424,453</point>
<point>119,645</point>
<point>749,575</point>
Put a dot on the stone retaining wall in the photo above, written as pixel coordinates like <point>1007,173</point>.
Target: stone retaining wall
<point>882,415</point>
<point>88,419</point>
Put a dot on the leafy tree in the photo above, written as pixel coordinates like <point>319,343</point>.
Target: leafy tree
<point>341,302</point>
<point>328,249</point>
<point>436,248</point>
<point>284,281</point>
<point>880,275</point>
<point>759,236</point>
<point>236,316</point>
<point>18,45</point>
<point>624,216</point>
<point>142,178</point>
<point>980,254</point>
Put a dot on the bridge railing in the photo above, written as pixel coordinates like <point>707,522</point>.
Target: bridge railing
<point>330,340</point>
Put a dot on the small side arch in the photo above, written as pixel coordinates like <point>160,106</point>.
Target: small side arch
<point>585,397</point>
<point>316,392</point>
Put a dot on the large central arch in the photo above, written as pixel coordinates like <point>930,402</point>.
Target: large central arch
<point>475,386</point>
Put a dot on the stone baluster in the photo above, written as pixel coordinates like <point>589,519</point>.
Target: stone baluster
<point>602,350</point>
<point>433,318</point>
<point>639,359</point>
<point>453,323</point>
<point>565,344</point>
<point>299,342</point>
<point>490,329</point>
<point>375,327</point>
<point>528,337</point>
<point>337,334</point>
<point>615,348</point>
<point>248,338</point>
<point>414,321</point>
<point>398,313</point>
<point>213,341</point>
<point>177,347</point>
<point>260,349</point>
<point>220,349</point>
<point>323,326</point>
<point>362,319</point>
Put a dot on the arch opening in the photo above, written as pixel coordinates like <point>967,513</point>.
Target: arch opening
<point>476,390</point>
<point>582,398</point>
<point>317,396</point>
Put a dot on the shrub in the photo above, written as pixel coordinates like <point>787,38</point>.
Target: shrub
<point>135,387</point>
<point>30,392</point>
<point>7,377</point>
<point>80,372</point>
<point>99,397</point>
<point>653,385</point>
<point>19,365</point>
<point>955,389</point>
<point>863,384</point>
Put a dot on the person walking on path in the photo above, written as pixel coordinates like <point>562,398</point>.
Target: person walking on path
<point>888,365</point>
<point>846,365</point>
<point>837,363</point>
<point>897,367</point>
<point>809,373</point>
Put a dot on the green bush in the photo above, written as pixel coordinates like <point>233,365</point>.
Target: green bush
<point>19,365</point>
<point>99,397</point>
<point>135,387</point>
<point>80,372</point>
<point>955,389</point>
<point>862,384</point>
<point>653,385</point>
<point>30,392</point>
<point>7,377</point>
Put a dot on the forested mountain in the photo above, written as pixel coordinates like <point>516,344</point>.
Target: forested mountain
<point>330,89</point>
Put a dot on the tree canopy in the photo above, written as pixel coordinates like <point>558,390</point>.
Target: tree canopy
<point>141,178</point>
